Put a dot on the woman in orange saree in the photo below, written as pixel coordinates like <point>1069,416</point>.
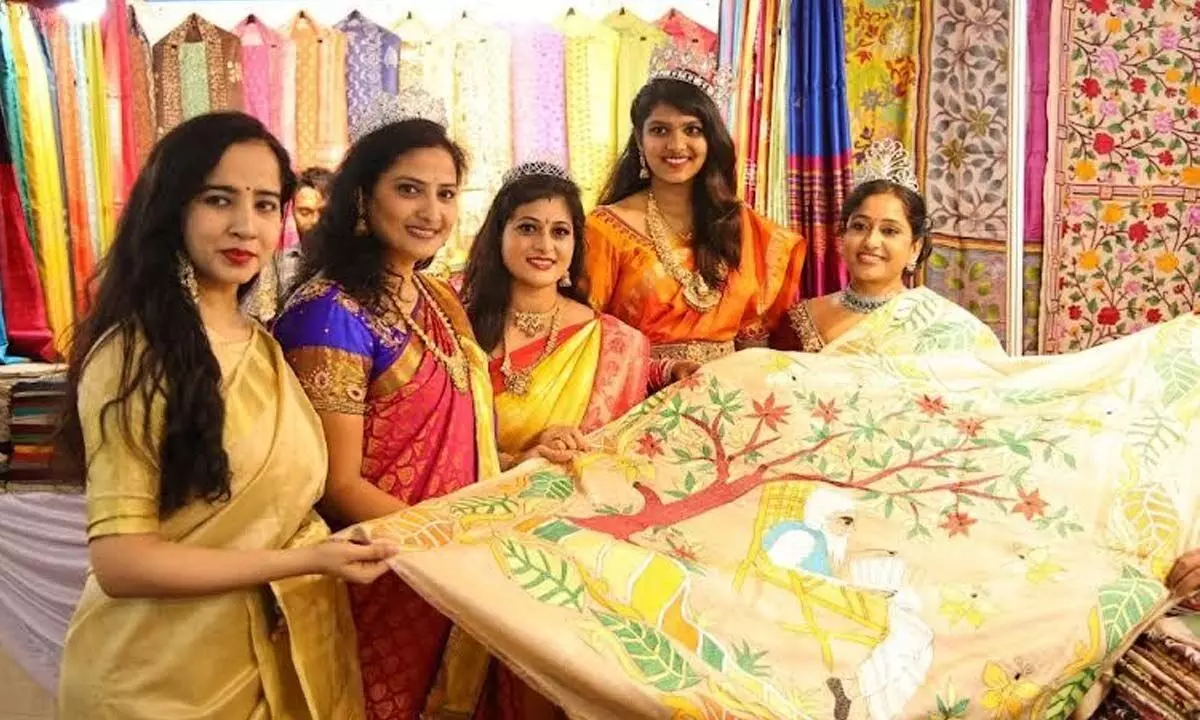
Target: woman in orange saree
<point>671,250</point>
<point>558,368</point>
<point>208,593</point>
<point>388,359</point>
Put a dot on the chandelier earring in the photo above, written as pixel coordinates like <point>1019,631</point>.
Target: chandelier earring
<point>361,228</point>
<point>187,277</point>
<point>565,281</point>
<point>644,173</point>
<point>266,290</point>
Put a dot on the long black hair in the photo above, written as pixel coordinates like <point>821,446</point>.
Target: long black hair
<point>487,287</point>
<point>142,302</point>
<point>716,210</point>
<point>336,250</point>
<point>914,211</point>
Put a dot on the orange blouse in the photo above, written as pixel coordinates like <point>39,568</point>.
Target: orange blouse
<point>627,280</point>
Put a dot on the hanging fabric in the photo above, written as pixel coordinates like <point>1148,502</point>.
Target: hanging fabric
<point>198,69</point>
<point>264,61</point>
<point>427,61</point>
<point>539,95</point>
<point>777,204</point>
<point>117,65</point>
<point>37,118</point>
<point>638,39</point>
<point>321,129</point>
<point>71,133</point>
<point>104,226</point>
<point>372,62</point>
<point>22,300</point>
<point>482,123</point>
<point>687,32</point>
<point>591,81</point>
<point>820,139</point>
<point>141,66</point>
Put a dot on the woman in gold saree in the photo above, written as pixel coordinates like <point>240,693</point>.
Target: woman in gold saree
<point>210,592</point>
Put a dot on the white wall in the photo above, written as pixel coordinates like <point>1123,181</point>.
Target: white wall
<point>158,18</point>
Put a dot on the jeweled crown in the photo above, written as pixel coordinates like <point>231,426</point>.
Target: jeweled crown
<point>671,61</point>
<point>411,103</point>
<point>537,167</point>
<point>887,160</point>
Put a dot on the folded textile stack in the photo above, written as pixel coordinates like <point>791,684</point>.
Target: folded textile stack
<point>1159,677</point>
<point>33,412</point>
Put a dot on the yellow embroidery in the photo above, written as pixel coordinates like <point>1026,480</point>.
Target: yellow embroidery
<point>334,380</point>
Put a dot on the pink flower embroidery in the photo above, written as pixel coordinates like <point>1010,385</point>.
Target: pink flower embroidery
<point>1109,108</point>
<point>1133,287</point>
<point>1168,38</point>
<point>1108,60</point>
<point>1164,122</point>
<point>1194,215</point>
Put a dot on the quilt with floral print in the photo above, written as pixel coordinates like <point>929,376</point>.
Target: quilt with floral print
<point>909,524</point>
<point>1123,188</point>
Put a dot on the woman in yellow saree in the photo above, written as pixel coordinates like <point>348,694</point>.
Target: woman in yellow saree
<point>671,249</point>
<point>558,368</point>
<point>210,592</point>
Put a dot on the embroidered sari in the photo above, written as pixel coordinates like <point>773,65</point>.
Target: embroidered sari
<point>909,524</point>
<point>280,651</point>
<point>629,282</point>
<point>422,438</point>
<point>947,328</point>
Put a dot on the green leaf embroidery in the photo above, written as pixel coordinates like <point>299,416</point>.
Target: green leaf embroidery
<point>711,653</point>
<point>651,652</point>
<point>488,505</point>
<point>550,485</point>
<point>1179,373</point>
<point>751,662</point>
<point>1124,604</point>
<point>1064,700</point>
<point>555,530</point>
<point>549,579</point>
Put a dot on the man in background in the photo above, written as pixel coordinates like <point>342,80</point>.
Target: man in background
<point>312,191</point>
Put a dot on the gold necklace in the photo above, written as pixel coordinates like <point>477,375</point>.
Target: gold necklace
<point>455,361</point>
<point>696,291</point>
<point>532,323</point>
<point>517,381</point>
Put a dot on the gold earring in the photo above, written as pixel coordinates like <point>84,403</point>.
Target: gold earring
<point>187,277</point>
<point>360,227</point>
<point>644,173</point>
<point>265,293</point>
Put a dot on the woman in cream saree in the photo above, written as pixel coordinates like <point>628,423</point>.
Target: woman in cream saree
<point>209,593</point>
<point>285,650</point>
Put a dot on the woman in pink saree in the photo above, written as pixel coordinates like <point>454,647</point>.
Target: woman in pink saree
<point>389,361</point>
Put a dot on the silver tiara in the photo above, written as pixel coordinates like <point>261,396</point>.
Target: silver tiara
<point>411,103</point>
<point>536,167</point>
<point>886,160</point>
<point>670,61</point>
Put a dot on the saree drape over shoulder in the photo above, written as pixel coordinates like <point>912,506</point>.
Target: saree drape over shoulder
<point>422,438</point>
<point>598,371</point>
<point>628,281</point>
<point>908,524</point>
<point>281,651</point>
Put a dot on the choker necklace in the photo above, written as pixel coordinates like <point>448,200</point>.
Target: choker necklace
<point>856,302</point>
<point>531,324</point>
